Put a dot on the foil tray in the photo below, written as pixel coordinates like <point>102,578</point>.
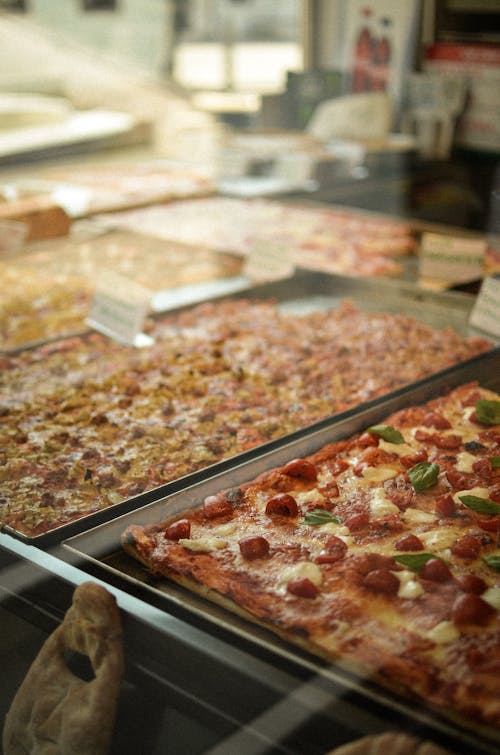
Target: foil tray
<point>100,551</point>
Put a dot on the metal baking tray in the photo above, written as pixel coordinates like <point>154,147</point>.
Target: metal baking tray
<point>302,293</point>
<point>99,549</point>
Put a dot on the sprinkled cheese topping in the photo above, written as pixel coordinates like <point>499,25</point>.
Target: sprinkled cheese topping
<point>443,632</point>
<point>203,544</point>
<point>465,461</point>
<point>438,539</point>
<point>492,596</point>
<point>401,449</point>
<point>340,530</point>
<point>381,506</point>
<point>309,496</point>
<point>409,587</point>
<point>379,474</point>
<point>478,492</point>
<point>226,529</point>
<point>416,516</point>
<point>304,569</point>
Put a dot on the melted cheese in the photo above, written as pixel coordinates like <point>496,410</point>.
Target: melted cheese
<point>401,449</point>
<point>416,516</point>
<point>304,569</point>
<point>340,530</point>
<point>226,529</point>
<point>379,474</point>
<point>309,496</point>
<point>381,506</point>
<point>438,539</point>
<point>478,492</point>
<point>443,632</point>
<point>492,596</point>
<point>409,587</point>
<point>465,461</point>
<point>203,544</point>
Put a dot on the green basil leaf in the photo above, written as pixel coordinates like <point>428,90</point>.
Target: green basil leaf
<point>481,505</point>
<point>495,461</point>
<point>414,561</point>
<point>488,411</point>
<point>387,432</point>
<point>493,561</point>
<point>423,475</point>
<point>319,516</point>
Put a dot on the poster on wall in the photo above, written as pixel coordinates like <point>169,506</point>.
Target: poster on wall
<point>380,44</point>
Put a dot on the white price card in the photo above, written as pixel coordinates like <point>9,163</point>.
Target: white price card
<point>268,260</point>
<point>118,309</point>
<point>13,234</point>
<point>451,258</point>
<point>485,314</point>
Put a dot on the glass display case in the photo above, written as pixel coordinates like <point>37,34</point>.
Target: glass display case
<point>163,165</point>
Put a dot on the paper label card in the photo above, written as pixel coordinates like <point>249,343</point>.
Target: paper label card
<point>451,258</point>
<point>268,260</point>
<point>118,309</point>
<point>485,314</point>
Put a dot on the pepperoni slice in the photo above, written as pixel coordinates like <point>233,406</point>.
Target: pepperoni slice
<point>460,480</point>
<point>367,439</point>
<point>471,583</point>
<point>382,580</point>
<point>215,506</point>
<point>334,550</point>
<point>434,419</point>
<point>445,505</point>
<point>435,570</point>
<point>176,530</point>
<point>471,609</point>
<point>488,523</point>
<point>411,459</point>
<point>467,546</point>
<point>495,493</point>
<point>300,468</point>
<point>282,504</point>
<point>357,521</point>
<point>409,543</point>
<point>447,442</point>
<point>254,546</point>
<point>302,587</point>
<point>482,467</point>
<point>338,466</point>
<point>422,436</point>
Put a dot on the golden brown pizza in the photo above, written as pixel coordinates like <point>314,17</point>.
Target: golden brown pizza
<point>86,423</point>
<point>343,241</point>
<point>379,552</point>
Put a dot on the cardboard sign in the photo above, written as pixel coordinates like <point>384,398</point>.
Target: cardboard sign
<point>118,309</point>
<point>268,260</point>
<point>451,258</point>
<point>485,314</point>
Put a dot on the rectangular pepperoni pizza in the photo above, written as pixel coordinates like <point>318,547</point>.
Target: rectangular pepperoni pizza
<point>379,552</point>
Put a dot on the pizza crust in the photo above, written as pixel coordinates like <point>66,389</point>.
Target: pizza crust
<point>55,711</point>
<point>383,639</point>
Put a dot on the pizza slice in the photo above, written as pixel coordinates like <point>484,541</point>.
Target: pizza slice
<point>378,553</point>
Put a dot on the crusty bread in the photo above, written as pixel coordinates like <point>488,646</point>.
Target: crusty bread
<point>54,711</point>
